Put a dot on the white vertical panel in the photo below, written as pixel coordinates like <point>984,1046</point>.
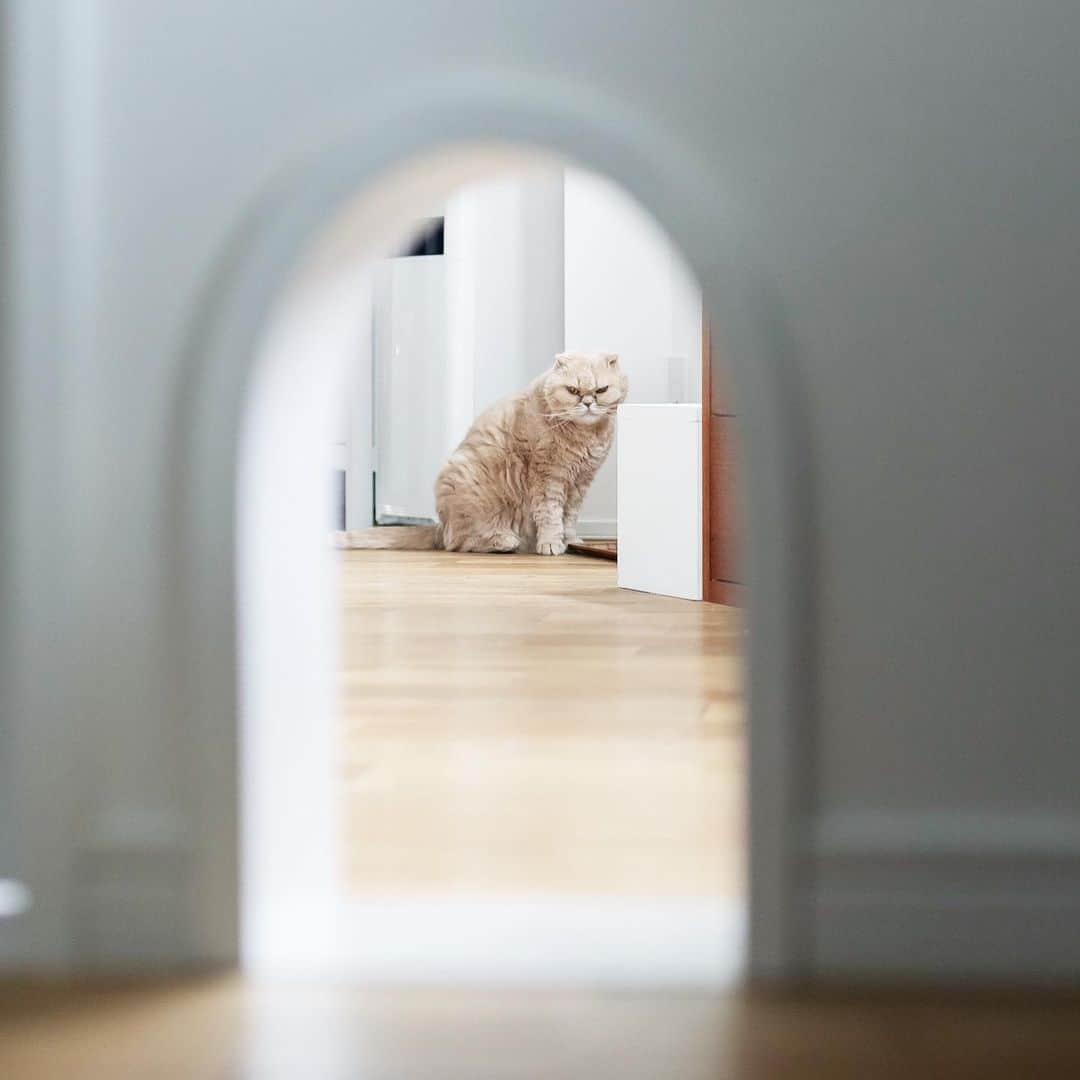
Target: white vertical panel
<point>359,406</point>
<point>463,258</point>
<point>659,473</point>
<point>504,250</point>
<point>411,365</point>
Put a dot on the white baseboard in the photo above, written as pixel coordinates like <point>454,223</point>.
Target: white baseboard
<point>940,935</point>
<point>133,909</point>
<point>597,528</point>
<point>11,947</point>
<point>947,897</point>
<point>938,833</point>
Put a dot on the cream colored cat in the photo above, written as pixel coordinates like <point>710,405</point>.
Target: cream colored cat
<point>517,480</point>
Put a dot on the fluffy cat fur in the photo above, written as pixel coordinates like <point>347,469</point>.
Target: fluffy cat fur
<point>517,480</point>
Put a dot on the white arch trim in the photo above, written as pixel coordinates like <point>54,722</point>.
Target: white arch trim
<point>396,161</point>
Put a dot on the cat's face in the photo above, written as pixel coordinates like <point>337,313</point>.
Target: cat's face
<point>585,387</point>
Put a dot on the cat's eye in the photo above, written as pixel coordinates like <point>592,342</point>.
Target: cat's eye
<point>602,389</point>
<point>574,390</point>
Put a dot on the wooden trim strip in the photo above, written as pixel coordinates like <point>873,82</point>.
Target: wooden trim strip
<point>706,460</point>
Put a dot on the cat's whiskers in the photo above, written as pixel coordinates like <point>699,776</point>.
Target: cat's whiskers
<point>559,417</point>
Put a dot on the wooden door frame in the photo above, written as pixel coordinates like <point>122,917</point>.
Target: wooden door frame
<point>706,461</point>
<point>713,590</point>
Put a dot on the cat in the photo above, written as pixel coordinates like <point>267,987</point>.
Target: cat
<point>516,481</point>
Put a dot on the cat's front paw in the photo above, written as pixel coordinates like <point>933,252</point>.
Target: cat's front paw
<point>551,547</point>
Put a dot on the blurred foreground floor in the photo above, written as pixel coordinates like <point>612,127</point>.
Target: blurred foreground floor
<point>515,724</point>
<point>225,1028</point>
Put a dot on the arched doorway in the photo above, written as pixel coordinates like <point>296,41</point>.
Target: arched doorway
<point>394,166</point>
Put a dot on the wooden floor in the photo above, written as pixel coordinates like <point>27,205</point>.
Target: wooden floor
<point>518,724</point>
<point>227,1030</point>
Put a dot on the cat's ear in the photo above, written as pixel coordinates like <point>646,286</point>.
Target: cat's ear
<point>612,359</point>
<point>561,361</point>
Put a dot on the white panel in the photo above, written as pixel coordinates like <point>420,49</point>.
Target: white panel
<point>359,406</point>
<point>504,251</point>
<point>411,364</point>
<point>659,472</point>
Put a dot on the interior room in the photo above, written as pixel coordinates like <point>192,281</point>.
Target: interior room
<point>539,765</point>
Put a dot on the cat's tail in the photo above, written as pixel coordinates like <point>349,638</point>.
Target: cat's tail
<point>390,537</point>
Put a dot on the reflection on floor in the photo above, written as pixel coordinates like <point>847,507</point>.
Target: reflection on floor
<point>223,1029</point>
<point>600,549</point>
<point>520,725</point>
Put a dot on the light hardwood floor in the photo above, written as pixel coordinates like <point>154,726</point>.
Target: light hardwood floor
<point>517,724</point>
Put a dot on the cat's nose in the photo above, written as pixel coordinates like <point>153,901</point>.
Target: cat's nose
<point>587,399</point>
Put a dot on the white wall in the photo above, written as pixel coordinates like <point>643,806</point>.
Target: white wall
<point>504,250</point>
<point>629,291</point>
<point>354,420</point>
<point>291,809</point>
<point>896,284</point>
